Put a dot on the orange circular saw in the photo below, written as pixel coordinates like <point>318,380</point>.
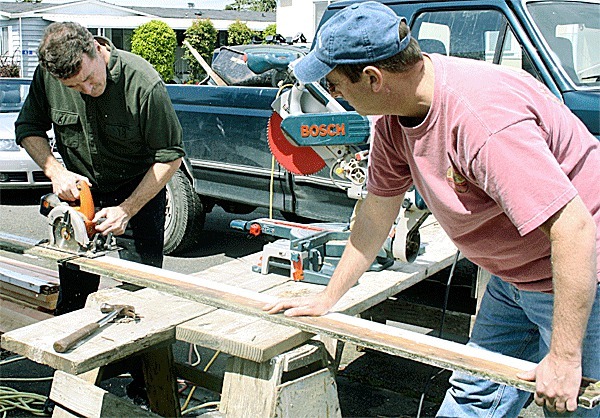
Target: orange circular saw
<point>70,223</point>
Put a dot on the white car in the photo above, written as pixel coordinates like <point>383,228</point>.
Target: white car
<point>17,169</point>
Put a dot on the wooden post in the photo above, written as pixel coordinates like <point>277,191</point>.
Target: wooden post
<point>161,382</point>
<point>312,394</point>
<point>217,79</point>
<point>74,397</point>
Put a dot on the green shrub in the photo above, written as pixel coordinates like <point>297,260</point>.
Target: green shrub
<point>238,33</point>
<point>155,41</point>
<point>202,35</point>
<point>270,30</point>
<point>9,66</point>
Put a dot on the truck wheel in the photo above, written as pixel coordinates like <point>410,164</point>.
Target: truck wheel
<point>184,215</point>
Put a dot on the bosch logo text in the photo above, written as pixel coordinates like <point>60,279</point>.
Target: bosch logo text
<point>333,129</point>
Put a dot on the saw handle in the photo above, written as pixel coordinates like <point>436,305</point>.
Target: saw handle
<point>70,340</point>
<point>86,202</point>
<point>86,207</point>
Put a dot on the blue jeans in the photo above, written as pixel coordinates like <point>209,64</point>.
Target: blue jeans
<point>518,324</point>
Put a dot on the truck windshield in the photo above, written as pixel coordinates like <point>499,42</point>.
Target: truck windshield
<point>572,31</point>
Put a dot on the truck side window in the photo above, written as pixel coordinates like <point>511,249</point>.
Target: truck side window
<point>478,34</point>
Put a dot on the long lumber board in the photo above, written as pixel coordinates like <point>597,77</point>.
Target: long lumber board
<point>423,348</point>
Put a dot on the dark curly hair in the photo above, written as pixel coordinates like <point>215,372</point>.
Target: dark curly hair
<point>62,48</point>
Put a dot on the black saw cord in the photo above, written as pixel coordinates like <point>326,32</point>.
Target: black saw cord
<point>444,307</point>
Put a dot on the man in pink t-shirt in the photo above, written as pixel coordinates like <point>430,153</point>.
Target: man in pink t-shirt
<point>510,174</point>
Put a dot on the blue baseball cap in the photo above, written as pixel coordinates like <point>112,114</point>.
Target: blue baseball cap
<point>359,34</point>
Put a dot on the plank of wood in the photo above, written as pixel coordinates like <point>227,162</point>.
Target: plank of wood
<point>240,335</point>
<point>87,400</point>
<point>44,300</point>
<point>15,314</point>
<point>160,313</point>
<point>260,340</point>
<point>218,80</point>
<point>60,412</point>
<point>423,348</point>
<point>313,395</point>
<point>161,383</point>
<point>198,377</point>
<point>51,276</point>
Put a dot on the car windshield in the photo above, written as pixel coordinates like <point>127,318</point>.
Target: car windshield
<point>572,31</point>
<point>13,92</point>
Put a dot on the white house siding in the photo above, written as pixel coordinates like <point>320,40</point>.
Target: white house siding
<point>30,20</point>
<point>23,53</point>
<point>92,9</point>
<point>294,16</point>
<point>32,34</point>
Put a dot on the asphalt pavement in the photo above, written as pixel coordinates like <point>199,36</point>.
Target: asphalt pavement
<point>370,384</point>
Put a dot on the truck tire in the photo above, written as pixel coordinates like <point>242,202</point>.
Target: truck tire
<point>184,215</point>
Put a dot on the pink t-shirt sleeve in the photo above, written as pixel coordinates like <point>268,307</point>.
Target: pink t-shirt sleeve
<point>389,173</point>
<point>516,168</point>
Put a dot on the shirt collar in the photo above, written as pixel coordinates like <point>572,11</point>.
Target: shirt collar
<point>114,62</point>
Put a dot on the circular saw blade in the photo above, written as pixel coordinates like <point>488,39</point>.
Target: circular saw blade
<point>64,235</point>
<point>297,160</point>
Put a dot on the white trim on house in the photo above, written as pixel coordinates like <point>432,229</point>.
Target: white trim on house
<point>132,22</point>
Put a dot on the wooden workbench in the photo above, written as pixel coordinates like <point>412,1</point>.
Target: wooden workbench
<point>257,344</point>
<point>259,340</point>
<point>262,351</point>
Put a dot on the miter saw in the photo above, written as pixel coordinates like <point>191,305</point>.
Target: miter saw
<point>308,131</point>
<point>71,227</point>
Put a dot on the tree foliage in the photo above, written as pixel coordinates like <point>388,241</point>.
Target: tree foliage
<point>202,35</point>
<point>238,33</point>
<point>270,30</point>
<point>155,41</point>
<point>253,5</point>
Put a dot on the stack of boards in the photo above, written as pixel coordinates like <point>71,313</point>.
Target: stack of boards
<point>28,293</point>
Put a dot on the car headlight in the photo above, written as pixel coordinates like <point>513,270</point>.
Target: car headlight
<point>8,144</point>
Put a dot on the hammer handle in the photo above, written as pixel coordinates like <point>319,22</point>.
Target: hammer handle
<point>70,340</point>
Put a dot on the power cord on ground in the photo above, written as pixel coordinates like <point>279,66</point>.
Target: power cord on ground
<point>11,399</point>
<point>440,333</point>
<point>185,411</point>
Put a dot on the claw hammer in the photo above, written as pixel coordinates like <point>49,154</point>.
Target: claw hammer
<point>111,311</point>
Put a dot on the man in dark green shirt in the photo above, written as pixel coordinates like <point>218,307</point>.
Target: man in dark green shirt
<point>115,129</point>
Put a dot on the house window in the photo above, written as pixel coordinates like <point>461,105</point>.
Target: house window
<point>4,45</point>
<point>121,38</point>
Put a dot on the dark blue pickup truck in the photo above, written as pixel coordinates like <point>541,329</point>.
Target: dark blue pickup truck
<point>228,159</point>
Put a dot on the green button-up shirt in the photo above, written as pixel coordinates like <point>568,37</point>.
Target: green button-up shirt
<point>113,138</point>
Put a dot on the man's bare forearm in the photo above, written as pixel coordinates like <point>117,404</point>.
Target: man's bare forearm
<point>373,223</point>
<point>39,150</point>
<point>573,239</point>
<point>370,230</point>
<point>155,179</point>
